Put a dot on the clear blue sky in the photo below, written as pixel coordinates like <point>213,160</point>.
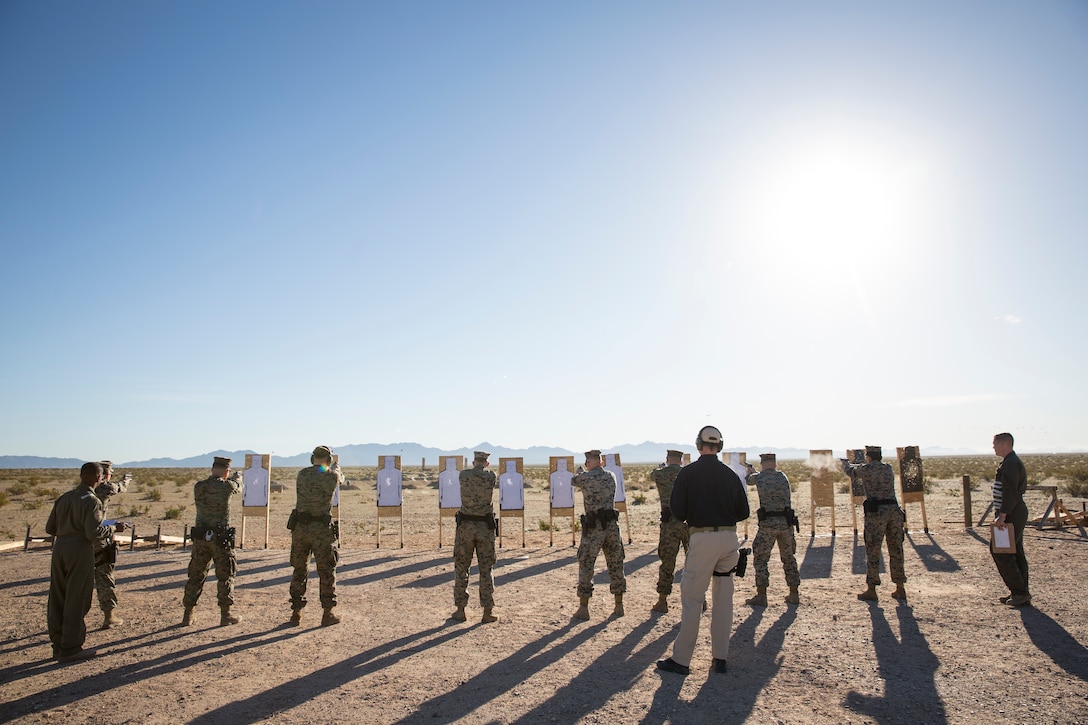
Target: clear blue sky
<point>269,225</point>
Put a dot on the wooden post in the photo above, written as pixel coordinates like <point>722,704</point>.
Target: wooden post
<point>158,537</point>
<point>966,502</point>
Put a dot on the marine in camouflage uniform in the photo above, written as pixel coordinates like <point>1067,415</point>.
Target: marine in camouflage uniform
<point>105,551</point>
<point>314,532</point>
<point>775,527</point>
<point>598,495</point>
<point>475,533</point>
<point>213,541</point>
<point>883,518</point>
<point>76,523</point>
<point>672,532</point>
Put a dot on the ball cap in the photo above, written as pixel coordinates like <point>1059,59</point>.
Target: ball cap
<point>710,434</point>
<point>674,454</point>
<point>768,457</point>
<point>222,462</point>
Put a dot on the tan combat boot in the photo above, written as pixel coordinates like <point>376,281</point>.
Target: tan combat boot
<point>793,597</point>
<point>662,604</point>
<point>618,611</point>
<point>760,599</point>
<point>109,619</point>
<point>226,618</point>
<point>869,595</point>
<point>328,618</point>
<point>900,592</point>
<point>296,618</point>
<point>459,615</point>
<point>187,618</point>
<point>488,616</point>
<point>583,609</point>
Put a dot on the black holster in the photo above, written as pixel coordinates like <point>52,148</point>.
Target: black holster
<point>292,520</point>
<point>603,517</point>
<point>222,535</point>
<point>742,564</point>
<point>666,514</point>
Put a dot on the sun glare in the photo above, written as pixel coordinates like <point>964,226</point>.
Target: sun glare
<point>821,203</point>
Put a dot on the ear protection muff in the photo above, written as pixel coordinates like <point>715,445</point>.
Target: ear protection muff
<point>699,442</point>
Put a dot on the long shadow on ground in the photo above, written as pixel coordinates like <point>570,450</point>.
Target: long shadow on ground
<point>87,687</point>
<point>818,560</point>
<point>504,675</point>
<point>620,666</point>
<point>906,667</point>
<point>933,557</point>
<point>1055,642</point>
<point>732,697</point>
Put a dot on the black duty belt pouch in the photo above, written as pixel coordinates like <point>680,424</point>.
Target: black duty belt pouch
<point>108,554</point>
<point>666,515</point>
<point>335,526</point>
<point>225,536</point>
<point>762,514</point>
<point>292,520</point>
<point>872,506</point>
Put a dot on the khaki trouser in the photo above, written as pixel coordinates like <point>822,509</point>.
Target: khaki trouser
<point>708,552</point>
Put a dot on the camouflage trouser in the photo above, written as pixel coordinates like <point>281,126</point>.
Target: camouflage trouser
<point>204,553</point>
<point>886,522</point>
<point>318,539</point>
<point>479,537</point>
<point>104,582</point>
<point>593,541</point>
<point>775,530</point>
<point>671,537</point>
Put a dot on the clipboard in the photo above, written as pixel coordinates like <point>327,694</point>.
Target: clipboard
<point>1002,541</point>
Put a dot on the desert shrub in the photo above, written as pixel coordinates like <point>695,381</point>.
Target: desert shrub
<point>31,505</point>
<point>155,495</point>
<point>3,498</point>
<point>545,525</point>
<point>174,512</point>
<point>18,489</point>
<point>135,511</point>
<point>1075,489</point>
<point>843,487</point>
<point>640,498</point>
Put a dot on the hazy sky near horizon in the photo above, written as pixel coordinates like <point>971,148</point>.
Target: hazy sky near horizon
<point>270,225</point>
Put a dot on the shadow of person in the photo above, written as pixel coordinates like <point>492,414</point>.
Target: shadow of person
<point>621,665</point>
<point>907,667</point>
<point>818,560</point>
<point>1055,642</point>
<point>933,557</point>
<point>751,667</point>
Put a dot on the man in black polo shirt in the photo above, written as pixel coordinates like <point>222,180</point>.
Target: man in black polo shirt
<point>1010,483</point>
<point>711,499</point>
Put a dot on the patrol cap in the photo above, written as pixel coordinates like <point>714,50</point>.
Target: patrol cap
<point>322,452</point>
<point>674,454</point>
<point>768,458</point>
<point>106,465</point>
<point>594,454</point>
<point>221,462</point>
<point>873,451</point>
<point>480,456</point>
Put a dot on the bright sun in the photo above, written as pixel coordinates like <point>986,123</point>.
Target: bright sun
<point>816,203</point>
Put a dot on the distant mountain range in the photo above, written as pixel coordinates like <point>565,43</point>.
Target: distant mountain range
<point>412,454</point>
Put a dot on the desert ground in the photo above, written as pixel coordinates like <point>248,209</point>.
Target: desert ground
<point>951,653</point>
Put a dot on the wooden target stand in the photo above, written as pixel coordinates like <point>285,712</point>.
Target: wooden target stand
<point>254,475</point>
<point>611,462</point>
<point>519,467</point>
<point>561,511</point>
<point>911,482</point>
<point>391,510</point>
<point>821,486</point>
<point>448,512</point>
<point>737,460</point>
<point>857,491</point>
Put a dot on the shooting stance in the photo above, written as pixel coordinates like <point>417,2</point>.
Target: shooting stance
<point>777,522</point>
<point>476,526</point>
<point>600,530</point>
<point>672,532</point>
<point>314,532</point>
<point>883,517</point>
<point>105,550</point>
<point>213,541</point>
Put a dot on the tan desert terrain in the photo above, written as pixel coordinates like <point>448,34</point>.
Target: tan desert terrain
<point>951,653</point>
